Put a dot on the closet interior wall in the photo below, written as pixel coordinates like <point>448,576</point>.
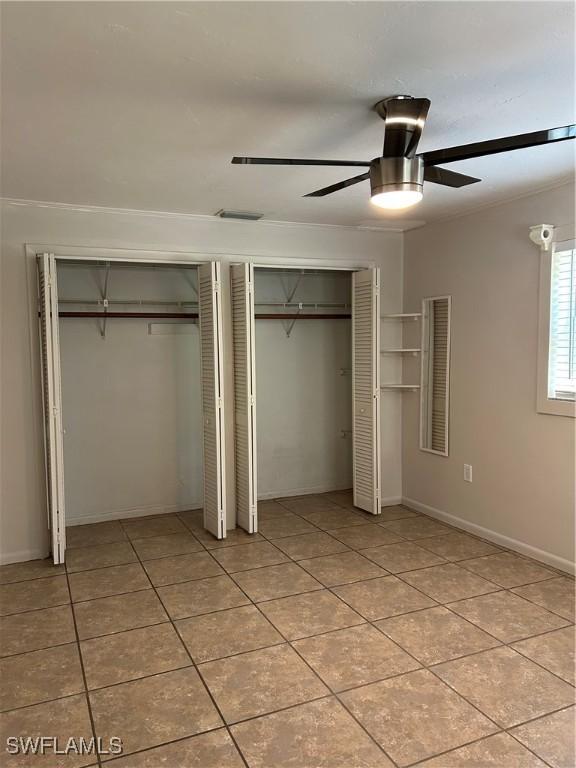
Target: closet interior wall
<point>303,382</point>
<point>131,390</point>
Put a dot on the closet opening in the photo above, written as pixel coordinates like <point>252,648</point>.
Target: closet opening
<point>132,366</point>
<point>306,355</point>
<point>303,381</point>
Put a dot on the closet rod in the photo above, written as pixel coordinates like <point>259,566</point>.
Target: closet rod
<point>302,316</point>
<point>194,315</point>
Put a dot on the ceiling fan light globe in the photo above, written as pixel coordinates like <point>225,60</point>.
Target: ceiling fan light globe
<point>395,200</point>
<point>396,182</point>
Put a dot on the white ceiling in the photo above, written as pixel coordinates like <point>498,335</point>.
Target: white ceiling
<point>142,105</point>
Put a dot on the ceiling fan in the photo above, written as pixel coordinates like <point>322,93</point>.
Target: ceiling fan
<point>397,177</point>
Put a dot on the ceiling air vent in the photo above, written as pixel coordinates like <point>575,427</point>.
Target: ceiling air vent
<point>242,215</point>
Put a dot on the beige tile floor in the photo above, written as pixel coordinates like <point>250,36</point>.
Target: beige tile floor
<point>331,639</point>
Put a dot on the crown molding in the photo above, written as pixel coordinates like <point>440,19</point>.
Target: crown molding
<point>566,181</point>
<point>394,227</point>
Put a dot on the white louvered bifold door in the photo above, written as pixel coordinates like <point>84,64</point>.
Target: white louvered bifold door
<point>242,278</point>
<point>366,389</point>
<point>210,314</point>
<point>52,404</point>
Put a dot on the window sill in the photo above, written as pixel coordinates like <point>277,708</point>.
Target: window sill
<point>557,407</point>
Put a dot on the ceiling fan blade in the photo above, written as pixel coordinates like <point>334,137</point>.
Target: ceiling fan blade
<point>403,126</point>
<point>447,178</point>
<point>494,146</point>
<point>293,161</point>
<point>340,185</point>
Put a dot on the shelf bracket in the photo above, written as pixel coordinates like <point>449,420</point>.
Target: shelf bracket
<point>190,280</point>
<point>288,328</point>
<point>104,294</point>
<point>289,295</point>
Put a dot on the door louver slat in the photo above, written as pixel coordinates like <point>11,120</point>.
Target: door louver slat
<point>366,389</point>
<point>210,316</point>
<point>242,277</point>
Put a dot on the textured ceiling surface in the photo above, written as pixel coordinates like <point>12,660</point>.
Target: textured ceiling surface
<point>142,105</point>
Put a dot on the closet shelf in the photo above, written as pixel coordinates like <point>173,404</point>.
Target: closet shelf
<point>128,302</point>
<point>414,351</point>
<point>400,386</point>
<point>402,316</point>
<point>161,302</point>
<point>302,316</point>
<point>132,315</point>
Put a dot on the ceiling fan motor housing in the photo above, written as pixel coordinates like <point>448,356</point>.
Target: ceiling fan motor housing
<point>398,174</point>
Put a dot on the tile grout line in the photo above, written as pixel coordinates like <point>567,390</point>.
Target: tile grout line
<point>528,722</point>
<point>365,621</point>
<point>81,660</point>
<point>502,643</point>
<point>421,666</point>
<point>447,606</point>
<point>316,675</point>
<point>291,706</point>
<point>330,590</point>
<point>331,532</point>
<point>457,530</point>
<point>164,744</point>
<point>321,587</point>
<point>432,670</point>
<point>436,676</point>
<point>192,662</point>
<point>477,538</point>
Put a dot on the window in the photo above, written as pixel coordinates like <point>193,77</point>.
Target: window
<point>557,351</point>
<point>562,348</point>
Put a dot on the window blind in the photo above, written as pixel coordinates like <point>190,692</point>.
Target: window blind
<point>562,357</point>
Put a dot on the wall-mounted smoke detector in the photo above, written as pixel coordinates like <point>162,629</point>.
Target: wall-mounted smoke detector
<point>241,215</point>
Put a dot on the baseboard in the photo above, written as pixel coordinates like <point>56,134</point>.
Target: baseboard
<point>496,538</point>
<point>391,501</point>
<point>23,556</point>
<point>117,514</point>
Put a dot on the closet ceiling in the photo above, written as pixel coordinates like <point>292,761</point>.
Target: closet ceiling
<point>142,105</point>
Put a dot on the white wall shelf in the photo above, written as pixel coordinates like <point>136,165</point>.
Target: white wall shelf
<point>414,351</point>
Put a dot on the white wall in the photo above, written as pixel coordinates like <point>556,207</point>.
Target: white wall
<point>523,461</point>
<point>23,514</point>
<point>131,399</point>
<point>303,401</point>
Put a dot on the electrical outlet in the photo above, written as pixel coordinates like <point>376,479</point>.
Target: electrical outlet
<point>468,473</point>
